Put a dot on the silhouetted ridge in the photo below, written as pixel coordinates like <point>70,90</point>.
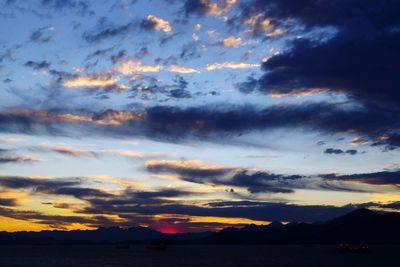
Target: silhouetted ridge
<point>359,226</point>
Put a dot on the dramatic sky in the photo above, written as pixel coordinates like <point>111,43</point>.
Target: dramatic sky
<point>196,115</point>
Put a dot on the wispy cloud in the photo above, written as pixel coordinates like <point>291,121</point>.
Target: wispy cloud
<point>231,42</point>
<point>206,7</point>
<point>132,66</point>
<point>91,81</point>
<point>17,159</point>
<point>231,65</point>
<point>183,70</point>
<point>154,23</point>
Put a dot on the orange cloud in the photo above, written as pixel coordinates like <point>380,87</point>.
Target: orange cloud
<point>110,118</point>
<point>91,81</point>
<point>131,66</point>
<point>258,23</point>
<point>218,8</point>
<point>299,93</point>
<point>231,42</point>
<point>159,24</point>
<point>183,70</point>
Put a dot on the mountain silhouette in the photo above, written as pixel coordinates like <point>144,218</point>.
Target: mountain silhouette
<point>360,226</point>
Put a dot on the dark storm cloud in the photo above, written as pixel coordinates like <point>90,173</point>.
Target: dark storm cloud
<point>340,151</point>
<point>188,173</point>
<point>59,186</point>
<point>159,194</point>
<point>80,192</point>
<point>362,69</point>
<point>376,178</point>
<point>214,123</point>
<point>38,65</point>
<point>341,13</point>
<point>330,118</point>
<point>130,214</point>
<point>360,60</point>
<point>262,211</point>
<point>195,7</point>
<point>16,182</point>
<point>391,141</point>
<point>267,182</point>
<point>255,182</point>
<point>263,182</point>
<point>206,7</point>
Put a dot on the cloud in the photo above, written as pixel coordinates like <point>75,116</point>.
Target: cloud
<point>28,120</point>
<point>10,202</point>
<point>54,186</point>
<point>257,24</point>
<point>73,152</point>
<point>42,35</point>
<point>359,141</point>
<point>106,32</point>
<point>206,7</point>
<point>197,172</point>
<point>17,182</point>
<point>132,66</point>
<point>375,178</point>
<point>231,65</point>
<point>340,151</point>
<point>17,159</point>
<point>54,221</point>
<point>91,81</point>
<point>358,59</point>
<point>182,70</point>
<point>231,42</point>
<point>9,140</point>
<point>98,53</point>
<point>188,170</point>
<point>157,24</point>
<point>102,81</point>
<point>128,210</point>
<point>38,65</point>
<point>123,53</point>
<point>213,123</point>
<point>266,211</point>
<point>258,181</point>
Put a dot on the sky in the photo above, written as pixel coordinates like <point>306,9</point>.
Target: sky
<point>196,115</point>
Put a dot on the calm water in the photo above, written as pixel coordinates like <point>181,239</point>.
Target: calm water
<point>88,256</point>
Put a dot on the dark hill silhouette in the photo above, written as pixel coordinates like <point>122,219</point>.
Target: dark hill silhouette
<point>360,226</point>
